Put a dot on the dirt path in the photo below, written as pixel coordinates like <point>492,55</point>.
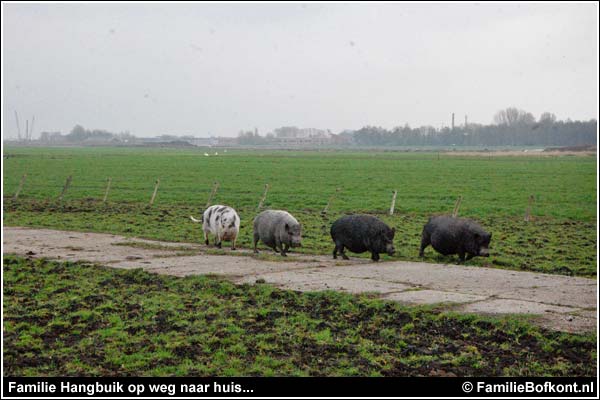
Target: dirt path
<point>558,302</point>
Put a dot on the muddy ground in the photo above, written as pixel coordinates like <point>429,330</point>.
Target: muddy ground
<point>557,302</point>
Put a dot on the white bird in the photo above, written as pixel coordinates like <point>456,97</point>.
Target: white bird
<point>216,154</point>
<point>206,154</point>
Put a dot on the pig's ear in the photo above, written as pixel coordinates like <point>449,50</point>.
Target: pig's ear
<point>490,236</point>
<point>393,231</point>
<point>287,228</point>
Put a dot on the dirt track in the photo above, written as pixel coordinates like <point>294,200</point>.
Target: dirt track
<point>558,302</point>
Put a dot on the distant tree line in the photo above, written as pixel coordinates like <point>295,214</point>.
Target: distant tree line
<point>512,127</point>
<point>81,135</point>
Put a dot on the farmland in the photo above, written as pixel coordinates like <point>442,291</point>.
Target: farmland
<point>560,238</point>
<point>78,319</point>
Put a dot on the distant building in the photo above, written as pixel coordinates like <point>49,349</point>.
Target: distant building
<point>310,137</point>
<point>226,141</point>
<point>203,142</point>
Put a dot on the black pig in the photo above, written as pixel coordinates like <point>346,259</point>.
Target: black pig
<point>449,235</point>
<point>360,233</point>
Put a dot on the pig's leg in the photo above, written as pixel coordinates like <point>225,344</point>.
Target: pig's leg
<point>255,239</point>
<point>233,243</point>
<point>344,256</point>
<point>339,247</point>
<point>281,246</point>
<point>469,256</point>
<point>425,241</point>
<point>218,241</point>
<point>205,237</point>
<point>461,256</point>
<point>375,257</point>
<point>277,246</point>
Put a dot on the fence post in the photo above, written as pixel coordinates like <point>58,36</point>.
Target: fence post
<point>155,190</point>
<point>212,193</point>
<point>528,210</point>
<point>393,202</point>
<point>107,189</point>
<point>20,186</point>
<point>456,207</point>
<point>263,198</point>
<point>65,188</point>
<point>330,200</point>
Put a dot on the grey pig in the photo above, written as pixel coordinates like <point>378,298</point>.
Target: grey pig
<point>277,229</point>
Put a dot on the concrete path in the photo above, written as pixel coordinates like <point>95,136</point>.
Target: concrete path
<point>558,302</point>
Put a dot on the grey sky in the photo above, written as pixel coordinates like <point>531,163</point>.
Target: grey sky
<point>215,69</point>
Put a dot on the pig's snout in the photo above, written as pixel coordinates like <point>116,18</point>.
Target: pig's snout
<point>483,252</point>
<point>390,250</point>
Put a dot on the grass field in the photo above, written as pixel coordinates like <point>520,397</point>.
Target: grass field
<point>74,319</point>
<point>561,238</point>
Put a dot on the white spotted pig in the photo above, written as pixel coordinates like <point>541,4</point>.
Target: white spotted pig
<point>221,221</point>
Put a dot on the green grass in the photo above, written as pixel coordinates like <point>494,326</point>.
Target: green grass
<point>76,319</point>
<point>495,190</point>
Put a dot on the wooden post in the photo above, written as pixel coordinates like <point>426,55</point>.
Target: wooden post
<point>528,211</point>
<point>107,189</point>
<point>264,196</point>
<point>155,190</point>
<point>212,194</point>
<point>393,202</point>
<point>456,207</point>
<point>330,200</point>
<point>20,186</point>
<point>65,188</point>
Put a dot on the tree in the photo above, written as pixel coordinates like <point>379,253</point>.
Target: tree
<point>547,118</point>
<point>287,132</point>
<point>77,134</point>
<point>250,138</point>
<point>513,116</point>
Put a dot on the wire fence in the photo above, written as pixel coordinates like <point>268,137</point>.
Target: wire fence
<point>109,191</point>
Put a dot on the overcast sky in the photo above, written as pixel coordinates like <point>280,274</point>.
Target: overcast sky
<point>214,69</point>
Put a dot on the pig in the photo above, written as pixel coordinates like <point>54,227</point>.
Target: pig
<point>277,229</point>
<point>449,235</point>
<point>360,233</point>
<point>221,221</point>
